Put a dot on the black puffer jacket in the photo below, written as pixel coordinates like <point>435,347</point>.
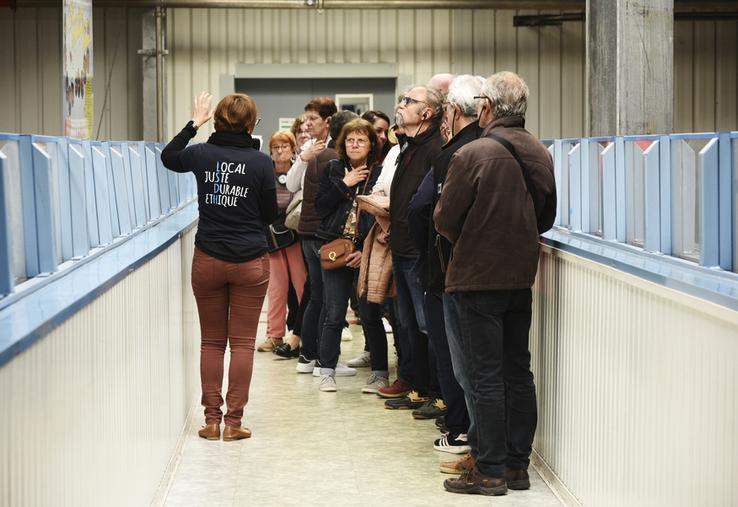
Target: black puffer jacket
<point>335,199</point>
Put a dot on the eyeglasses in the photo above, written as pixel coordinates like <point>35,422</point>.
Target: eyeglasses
<point>257,122</point>
<point>483,97</point>
<point>406,101</point>
<point>281,147</point>
<point>360,141</point>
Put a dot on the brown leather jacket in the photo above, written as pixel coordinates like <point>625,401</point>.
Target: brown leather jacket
<point>487,213</point>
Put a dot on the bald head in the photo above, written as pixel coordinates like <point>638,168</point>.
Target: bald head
<point>441,81</point>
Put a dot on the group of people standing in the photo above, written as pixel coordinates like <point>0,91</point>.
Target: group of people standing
<point>439,230</point>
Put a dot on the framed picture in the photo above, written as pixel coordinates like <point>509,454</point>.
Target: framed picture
<point>358,103</point>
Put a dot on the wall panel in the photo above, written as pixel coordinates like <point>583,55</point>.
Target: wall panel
<point>205,43</point>
<point>629,371</point>
<point>118,378</point>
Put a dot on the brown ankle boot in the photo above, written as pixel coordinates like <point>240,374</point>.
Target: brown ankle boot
<point>235,433</point>
<point>517,479</point>
<point>210,432</point>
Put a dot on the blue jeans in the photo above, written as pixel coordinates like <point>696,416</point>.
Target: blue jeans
<point>313,317</point>
<point>457,420</point>
<point>494,329</point>
<point>458,361</point>
<point>339,284</point>
<point>413,363</point>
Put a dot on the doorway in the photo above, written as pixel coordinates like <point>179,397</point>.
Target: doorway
<point>283,99</point>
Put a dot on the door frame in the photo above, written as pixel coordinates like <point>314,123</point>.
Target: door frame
<point>313,71</point>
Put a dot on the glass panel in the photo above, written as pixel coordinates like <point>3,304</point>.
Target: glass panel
<point>596,205</point>
<point>635,195</point>
<point>52,149</point>
<point>686,199</point>
<point>14,202</point>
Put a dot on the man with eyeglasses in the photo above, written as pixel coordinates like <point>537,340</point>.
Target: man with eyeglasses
<point>460,118</point>
<point>499,195</point>
<point>418,113</point>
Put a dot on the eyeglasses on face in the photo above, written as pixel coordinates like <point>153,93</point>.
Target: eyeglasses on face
<point>406,100</point>
<point>281,147</point>
<point>361,141</point>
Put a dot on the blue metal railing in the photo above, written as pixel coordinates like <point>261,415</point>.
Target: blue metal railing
<point>62,199</point>
<point>671,194</point>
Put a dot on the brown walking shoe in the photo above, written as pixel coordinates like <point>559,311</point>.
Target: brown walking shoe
<point>459,466</point>
<point>517,479</point>
<point>210,432</point>
<point>476,483</point>
<point>233,433</point>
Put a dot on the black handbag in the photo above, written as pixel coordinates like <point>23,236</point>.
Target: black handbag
<point>279,236</point>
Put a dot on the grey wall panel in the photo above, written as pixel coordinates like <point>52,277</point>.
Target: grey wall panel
<point>421,43</point>
<point>206,43</point>
<point>705,65</point>
<point>31,78</point>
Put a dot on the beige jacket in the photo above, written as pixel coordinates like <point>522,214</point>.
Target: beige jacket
<point>375,274</point>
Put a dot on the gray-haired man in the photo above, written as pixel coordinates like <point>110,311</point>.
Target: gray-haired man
<point>499,195</point>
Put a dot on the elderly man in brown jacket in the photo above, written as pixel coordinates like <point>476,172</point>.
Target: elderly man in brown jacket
<point>499,195</point>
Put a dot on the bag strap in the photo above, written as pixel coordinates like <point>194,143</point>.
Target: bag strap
<point>529,185</point>
<point>356,202</point>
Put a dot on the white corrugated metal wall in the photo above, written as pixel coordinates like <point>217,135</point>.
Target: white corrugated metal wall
<point>206,43</point>
<point>637,394</point>
<point>94,409</point>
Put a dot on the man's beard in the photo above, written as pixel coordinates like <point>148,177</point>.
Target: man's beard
<point>399,120</point>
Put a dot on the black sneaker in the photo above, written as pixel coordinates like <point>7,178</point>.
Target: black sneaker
<point>410,401</point>
<point>454,444</point>
<point>441,424</point>
<point>430,409</point>
<point>284,351</point>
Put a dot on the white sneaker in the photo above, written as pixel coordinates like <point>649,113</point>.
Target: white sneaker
<point>344,371</point>
<point>327,384</point>
<point>374,383</point>
<point>341,371</point>
<point>387,327</point>
<point>361,361</point>
<point>305,366</point>
<point>346,335</point>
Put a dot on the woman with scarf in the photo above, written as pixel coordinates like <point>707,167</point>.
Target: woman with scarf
<point>230,267</point>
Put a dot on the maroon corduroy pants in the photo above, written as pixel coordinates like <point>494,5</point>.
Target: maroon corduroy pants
<point>229,298</point>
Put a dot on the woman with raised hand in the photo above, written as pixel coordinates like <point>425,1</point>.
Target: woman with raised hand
<point>354,173</point>
<point>230,268</point>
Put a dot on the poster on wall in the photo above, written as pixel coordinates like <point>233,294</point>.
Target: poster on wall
<point>78,106</point>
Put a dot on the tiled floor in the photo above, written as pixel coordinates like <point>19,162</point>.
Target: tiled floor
<point>314,448</point>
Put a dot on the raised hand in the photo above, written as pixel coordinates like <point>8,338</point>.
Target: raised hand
<point>201,112</point>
